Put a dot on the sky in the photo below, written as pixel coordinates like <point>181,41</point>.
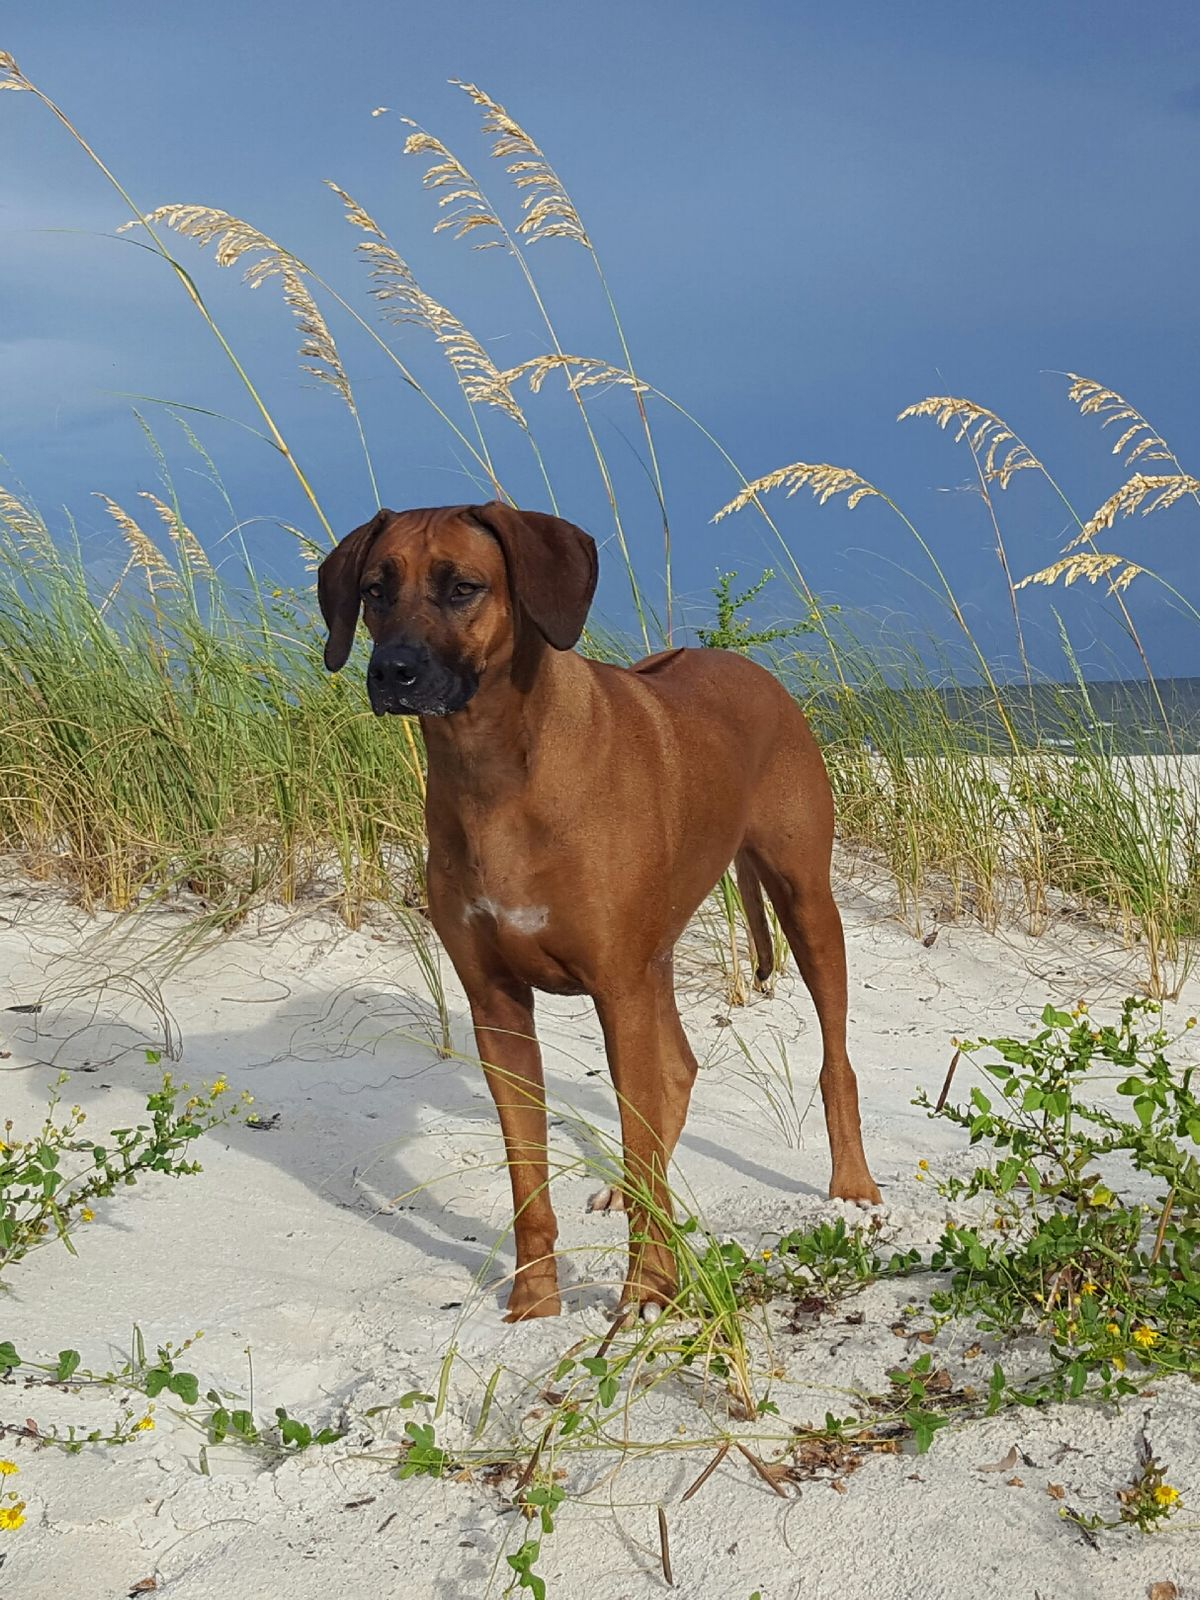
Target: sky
<point>809,216</point>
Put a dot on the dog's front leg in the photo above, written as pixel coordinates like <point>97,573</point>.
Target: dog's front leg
<point>512,1064</point>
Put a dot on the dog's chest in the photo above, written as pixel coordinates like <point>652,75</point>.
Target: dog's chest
<point>514,919</point>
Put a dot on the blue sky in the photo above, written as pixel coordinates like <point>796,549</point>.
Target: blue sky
<point>810,215</point>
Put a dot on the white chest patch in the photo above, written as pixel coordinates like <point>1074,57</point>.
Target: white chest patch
<point>520,919</point>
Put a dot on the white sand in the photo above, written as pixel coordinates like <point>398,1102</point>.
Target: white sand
<point>290,1244</point>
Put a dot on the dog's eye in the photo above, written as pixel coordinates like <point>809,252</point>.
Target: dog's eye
<point>465,591</point>
<point>373,591</point>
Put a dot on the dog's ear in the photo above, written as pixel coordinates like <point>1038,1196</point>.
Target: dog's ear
<point>551,568</point>
<point>338,578</point>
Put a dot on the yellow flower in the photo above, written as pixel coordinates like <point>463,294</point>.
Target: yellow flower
<point>13,1516</point>
<point>1145,1337</point>
<point>1165,1495</point>
<point>88,1214</point>
<point>924,1165</point>
<point>219,1087</point>
<point>1191,1022</point>
<point>767,1254</point>
<point>1119,1363</point>
<point>1113,1327</point>
<point>145,1425</point>
<point>1089,1287</point>
<point>7,1468</point>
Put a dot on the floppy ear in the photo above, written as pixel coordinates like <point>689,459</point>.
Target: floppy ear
<point>551,568</point>
<point>338,578</point>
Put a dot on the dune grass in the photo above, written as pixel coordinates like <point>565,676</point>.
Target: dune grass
<point>177,732</point>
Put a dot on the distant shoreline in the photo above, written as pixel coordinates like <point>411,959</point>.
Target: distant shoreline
<point>1119,716</point>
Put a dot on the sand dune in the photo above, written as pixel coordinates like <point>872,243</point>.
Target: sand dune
<point>364,1232</point>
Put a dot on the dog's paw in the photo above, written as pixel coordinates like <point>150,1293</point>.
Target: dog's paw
<point>531,1298</point>
<point>608,1199</point>
<point>859,1189</point>
<point>648,1310</point>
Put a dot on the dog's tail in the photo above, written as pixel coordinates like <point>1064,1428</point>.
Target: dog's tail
<point>750,888</point>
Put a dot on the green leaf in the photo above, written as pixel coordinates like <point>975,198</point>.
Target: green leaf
<point>186,1385</point>
<point>68,1362</point>
<point>8,1357</point>
<point>1052,1018</point>
<point>412,1398</point>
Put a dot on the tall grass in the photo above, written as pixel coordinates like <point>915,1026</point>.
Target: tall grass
<point>154,739</point>
<point>176,732</point>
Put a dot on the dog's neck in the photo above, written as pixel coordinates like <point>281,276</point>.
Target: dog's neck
<point>490,749</point>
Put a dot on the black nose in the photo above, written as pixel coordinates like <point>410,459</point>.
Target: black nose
<point>395,666</point>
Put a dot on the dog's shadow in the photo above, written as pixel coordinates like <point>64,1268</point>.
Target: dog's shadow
<point>355,1099</point>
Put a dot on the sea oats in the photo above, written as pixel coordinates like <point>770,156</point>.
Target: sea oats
<point>986,432</point>
<point>583,372</point>
<point>234,240</point>
<point>26,526</point>
<point>1089,564</point>
<point>191,550</point>
<point>144,551</point>
<point>395,286</point>
<point>459,195</point>
<point>403,300</point>
<point>1142,492</point>
<point>824,480</point>
<point>11,76</point>
<point>356,215</point>
<point>1138,439</point>
<point>549,210</point>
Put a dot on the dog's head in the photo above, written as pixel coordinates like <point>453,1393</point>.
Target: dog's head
<point>445,593</point>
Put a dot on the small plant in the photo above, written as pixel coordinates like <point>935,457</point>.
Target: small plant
<point>540,1500</point>
<point>733,630</point>
<point>49,1182</point>
<point>1146,1502</point>
<point>831,1260</point>
<point>914,1386</point>
<point>12,1507</point>
<point>1103,1278</point>
<point>156,1378</point>
<point>423,1456</point>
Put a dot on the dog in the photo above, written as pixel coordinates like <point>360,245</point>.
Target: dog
<point>578,813</point>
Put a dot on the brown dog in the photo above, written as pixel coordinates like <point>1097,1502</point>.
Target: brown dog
<point>578,814</point>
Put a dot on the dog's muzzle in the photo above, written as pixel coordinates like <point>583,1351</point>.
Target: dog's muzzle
<point>407,680</point>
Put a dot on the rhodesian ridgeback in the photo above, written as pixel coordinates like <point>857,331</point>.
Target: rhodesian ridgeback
<point>578,814</point>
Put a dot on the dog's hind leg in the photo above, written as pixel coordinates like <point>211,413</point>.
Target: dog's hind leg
<point>791,850</point>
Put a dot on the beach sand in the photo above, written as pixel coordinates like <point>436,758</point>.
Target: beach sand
<point>351,1243</point>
